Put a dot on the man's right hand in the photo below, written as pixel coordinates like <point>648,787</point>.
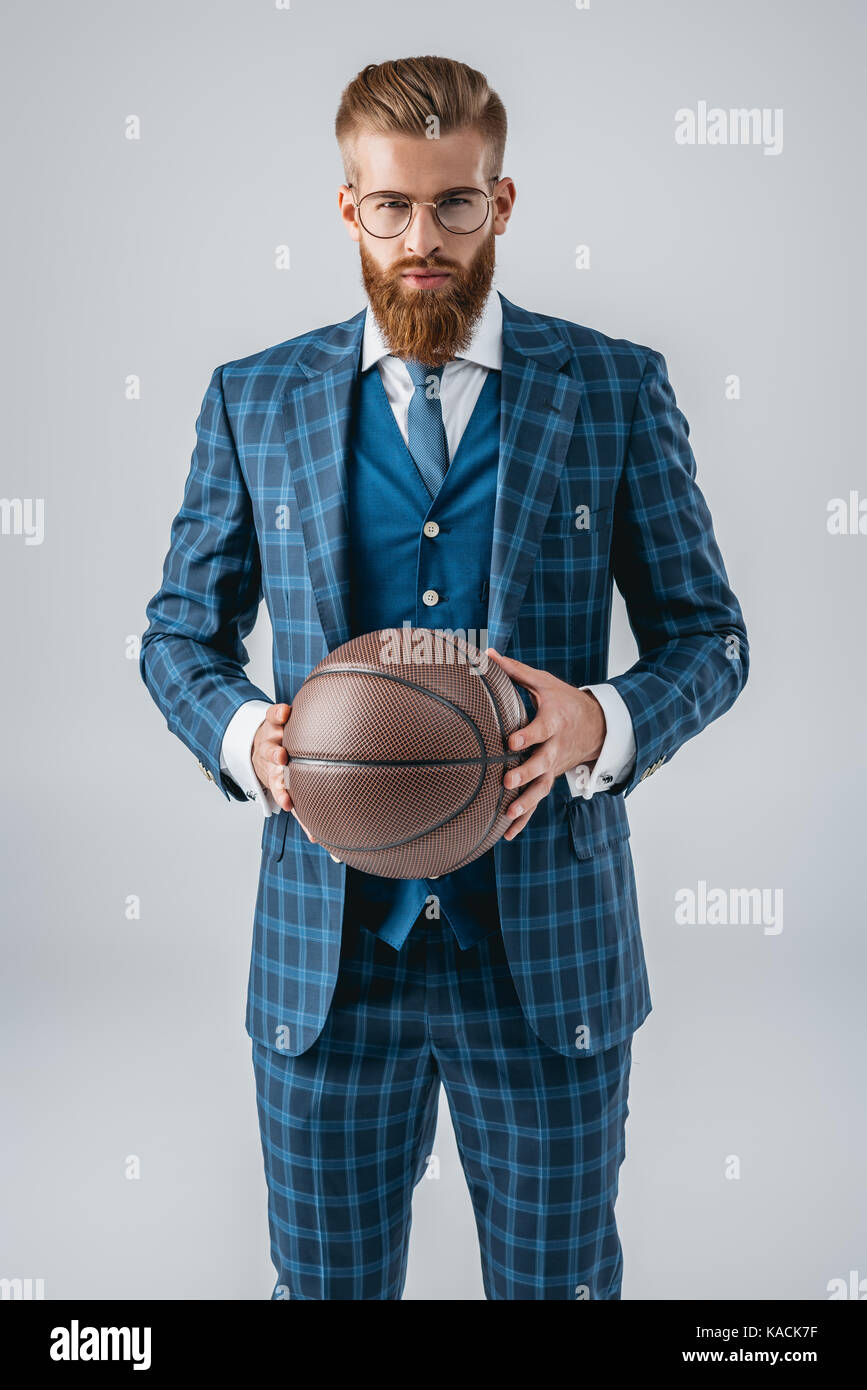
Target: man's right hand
<point>270,758</point>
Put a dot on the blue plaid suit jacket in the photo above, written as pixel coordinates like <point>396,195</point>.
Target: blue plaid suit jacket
<point>586,420</point>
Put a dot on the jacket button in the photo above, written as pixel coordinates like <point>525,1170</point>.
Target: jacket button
<point>431,529</point>
<point>430,597</point>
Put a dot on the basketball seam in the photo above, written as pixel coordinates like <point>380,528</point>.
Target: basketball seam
<point>404,762</point>
<point>484,762</point>
<point>400,680</point>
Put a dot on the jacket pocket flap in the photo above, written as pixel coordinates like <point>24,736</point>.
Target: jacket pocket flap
<point>597,823</point>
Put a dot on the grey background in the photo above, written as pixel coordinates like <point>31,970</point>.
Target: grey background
<point>157,258</point>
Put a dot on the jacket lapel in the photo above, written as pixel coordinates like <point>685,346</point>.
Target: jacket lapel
<point>538,405</point>
<point>317,409</point>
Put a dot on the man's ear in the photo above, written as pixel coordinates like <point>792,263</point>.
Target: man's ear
<point>346,208</point>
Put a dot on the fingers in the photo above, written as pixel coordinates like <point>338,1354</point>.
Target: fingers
<point>304,828</point>
<point>535,775</point>
<point>538,765</point>
<point>277,786</point>
<point>276,760</point>
<point>279,790</point>
<point>525,675</point>
<point>518,824</point>
<point>543,727</point>
<point>530,796</point>
<point>278,715</point>
<point>270,764</point>
<point>269,755</point>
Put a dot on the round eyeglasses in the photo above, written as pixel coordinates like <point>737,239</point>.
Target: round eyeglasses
<point>388,214</point>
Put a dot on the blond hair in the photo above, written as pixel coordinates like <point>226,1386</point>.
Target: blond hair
<point>401,97</point>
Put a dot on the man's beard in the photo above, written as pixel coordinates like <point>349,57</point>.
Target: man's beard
<point>434,325</point>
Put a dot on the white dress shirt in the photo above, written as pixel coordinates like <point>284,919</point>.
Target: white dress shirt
<point>461,382</point>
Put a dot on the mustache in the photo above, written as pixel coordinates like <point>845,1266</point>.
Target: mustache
<point>419,263</point>
<point>430,327</point>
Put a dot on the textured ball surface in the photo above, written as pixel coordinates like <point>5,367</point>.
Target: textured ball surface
<point>398,744</point>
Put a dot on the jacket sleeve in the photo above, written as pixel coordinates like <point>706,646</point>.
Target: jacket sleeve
<point>692,641</point>
<point>192,653</point>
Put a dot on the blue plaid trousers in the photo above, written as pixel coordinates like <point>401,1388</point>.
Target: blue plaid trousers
<point>347,1128</point>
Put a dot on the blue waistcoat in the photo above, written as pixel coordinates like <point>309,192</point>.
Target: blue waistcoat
<point>392,563</point>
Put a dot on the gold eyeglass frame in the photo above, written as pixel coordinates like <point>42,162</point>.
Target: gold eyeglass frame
<point>422,203</point>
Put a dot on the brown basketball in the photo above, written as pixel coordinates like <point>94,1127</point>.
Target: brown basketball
<point>397,747</point>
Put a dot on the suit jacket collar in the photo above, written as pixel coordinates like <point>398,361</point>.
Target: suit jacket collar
<point>525,333</point>
<point>485,347</point>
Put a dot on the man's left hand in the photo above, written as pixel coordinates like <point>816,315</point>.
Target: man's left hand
<point>568,729</point>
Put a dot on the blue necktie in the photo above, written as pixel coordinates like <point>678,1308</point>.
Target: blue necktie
<point>427,435</point>
<point>430,451</point>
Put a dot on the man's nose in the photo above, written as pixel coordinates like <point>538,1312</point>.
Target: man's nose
<point>423,236</point>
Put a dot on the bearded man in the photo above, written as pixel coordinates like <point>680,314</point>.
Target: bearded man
<point>448,460</point>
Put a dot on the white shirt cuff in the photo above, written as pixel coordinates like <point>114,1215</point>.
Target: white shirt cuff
<point>617,755</point>
<point>236,754</point>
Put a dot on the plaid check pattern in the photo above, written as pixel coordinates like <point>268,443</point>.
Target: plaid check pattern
<point>348,1129</point>
<point>590,431</point>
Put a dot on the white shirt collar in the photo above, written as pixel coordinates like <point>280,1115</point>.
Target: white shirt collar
<point>485,348</point>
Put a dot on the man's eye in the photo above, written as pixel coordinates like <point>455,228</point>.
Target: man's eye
<point>393,203</point>
<point>453,201</point>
